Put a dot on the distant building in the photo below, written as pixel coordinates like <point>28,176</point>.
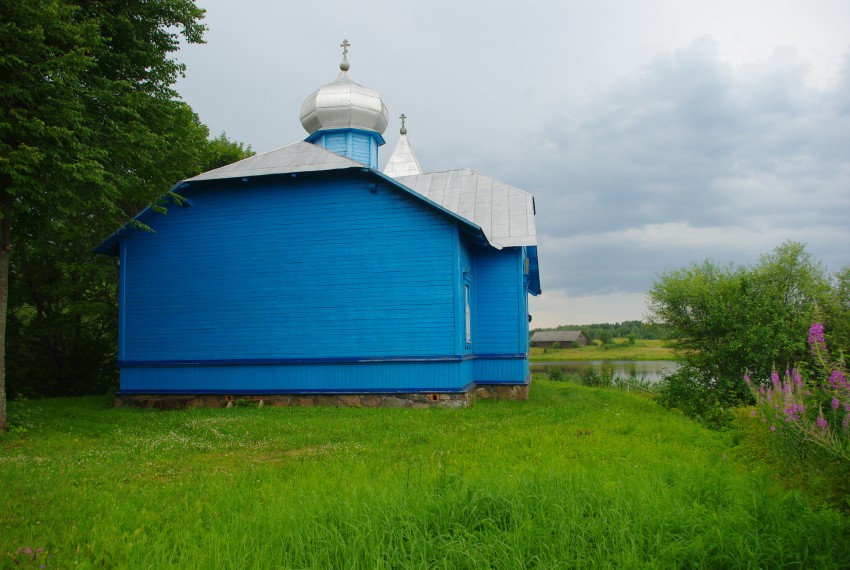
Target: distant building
<point>305,275</point>
<point>565,339</point>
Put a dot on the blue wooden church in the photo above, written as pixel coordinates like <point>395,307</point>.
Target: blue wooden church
<point>305,275</point>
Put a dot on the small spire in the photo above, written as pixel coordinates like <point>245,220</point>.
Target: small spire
<point>403,160</point>
<point>344,65</point>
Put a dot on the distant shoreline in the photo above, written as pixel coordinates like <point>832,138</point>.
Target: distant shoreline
<point>621,350</point>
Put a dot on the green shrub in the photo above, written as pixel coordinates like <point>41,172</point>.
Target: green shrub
<point>557,374</point>
<point>734,319</point>
<point>599,379</point>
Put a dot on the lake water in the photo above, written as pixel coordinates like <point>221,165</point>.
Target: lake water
<point>650,370</point>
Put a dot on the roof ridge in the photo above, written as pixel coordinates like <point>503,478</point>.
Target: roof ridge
<point>299,156</point>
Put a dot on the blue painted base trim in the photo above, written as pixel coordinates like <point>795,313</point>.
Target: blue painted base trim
<point>525,382</point>
<point>453,373</point>
<point>341,360</point>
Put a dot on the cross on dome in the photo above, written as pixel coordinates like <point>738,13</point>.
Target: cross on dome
<point>345,66</point>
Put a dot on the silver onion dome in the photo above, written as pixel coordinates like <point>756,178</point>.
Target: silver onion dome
<point>344,104</point>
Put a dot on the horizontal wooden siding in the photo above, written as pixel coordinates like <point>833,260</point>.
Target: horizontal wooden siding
<point>285,270</point>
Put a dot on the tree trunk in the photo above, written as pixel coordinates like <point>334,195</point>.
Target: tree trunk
<point>5,249</point>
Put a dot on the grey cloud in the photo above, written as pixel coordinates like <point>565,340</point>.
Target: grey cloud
<point>689,139</point>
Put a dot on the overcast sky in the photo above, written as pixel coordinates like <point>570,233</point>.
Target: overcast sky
<point>651,132</point>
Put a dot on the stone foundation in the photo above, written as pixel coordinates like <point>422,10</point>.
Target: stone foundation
<point>497,392</point>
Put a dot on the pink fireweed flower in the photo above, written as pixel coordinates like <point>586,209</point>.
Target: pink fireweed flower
<point>822,423</point>
<point>816,339</point>
<point>772,428</point>
<point>838,381</point>
<point>835,403</point>
<point>774,378</point>
<point>747,378</point>
<point>847,407</point>
<point>794,412</point>
<point>798,378</point>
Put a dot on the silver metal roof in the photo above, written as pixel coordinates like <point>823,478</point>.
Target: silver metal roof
<point>297,157</point>
<point>402,161</point>
<point>343,104</point>
<point>504,213</point>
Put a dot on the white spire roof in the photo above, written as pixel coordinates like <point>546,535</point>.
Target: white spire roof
<point>403,161</point>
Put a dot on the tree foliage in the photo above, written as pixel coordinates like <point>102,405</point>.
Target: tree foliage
<point>732,320</point>
<point>91,131</point>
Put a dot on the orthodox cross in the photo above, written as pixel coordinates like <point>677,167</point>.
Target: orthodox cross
<point>344,65</point>
<point>403,128</point>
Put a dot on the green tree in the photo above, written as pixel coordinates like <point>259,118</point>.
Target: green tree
<point>91,130</point>
<point>731,320</point>
<point>837,309</point>
<point>222,151</point>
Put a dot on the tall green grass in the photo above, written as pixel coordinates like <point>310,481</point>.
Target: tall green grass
<point>575,477</point>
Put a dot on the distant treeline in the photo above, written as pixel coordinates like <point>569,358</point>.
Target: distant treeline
<point>639,329</point>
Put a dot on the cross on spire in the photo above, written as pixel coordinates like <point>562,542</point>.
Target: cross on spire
<point>403,128</point>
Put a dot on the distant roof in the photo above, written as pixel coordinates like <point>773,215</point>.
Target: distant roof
<point>505,213</point>
<point>555,336</point>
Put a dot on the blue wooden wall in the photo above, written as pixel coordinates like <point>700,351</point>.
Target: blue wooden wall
<point>315,283</point>
<point>501,322</point>
<point>355,144</point>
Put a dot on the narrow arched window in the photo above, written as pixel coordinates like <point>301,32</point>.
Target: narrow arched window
<point>468,315</point>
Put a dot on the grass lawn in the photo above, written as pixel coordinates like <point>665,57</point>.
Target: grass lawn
<point>622,350</point>
<point>575,477</point>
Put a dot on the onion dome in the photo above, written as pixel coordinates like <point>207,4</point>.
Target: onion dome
<point>344,104</point>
